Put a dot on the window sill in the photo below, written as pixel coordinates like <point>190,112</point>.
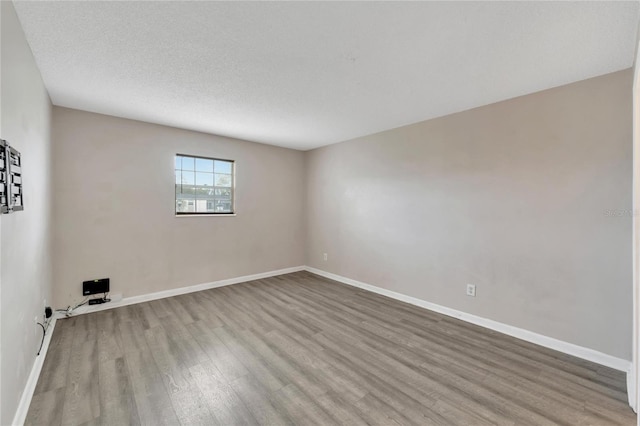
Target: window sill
<point>206,215</point>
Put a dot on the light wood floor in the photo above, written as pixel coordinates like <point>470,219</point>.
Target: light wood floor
<point>300,349</point>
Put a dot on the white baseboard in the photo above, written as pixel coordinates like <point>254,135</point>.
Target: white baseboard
<point>119,301</point>
<point>529,336</point>
<point>631,390</point>
<point>32,381</point>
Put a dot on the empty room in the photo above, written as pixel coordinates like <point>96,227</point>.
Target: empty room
<point>319,213</point>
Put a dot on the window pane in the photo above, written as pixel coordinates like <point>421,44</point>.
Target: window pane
<point>178,162</point>
<point>201,205</point>
<point>187,178</point>
<point>185,189</point>
<point>188,163</point>
<point>210,206</point>
<point>178,177</point>
<point>223,167</point>
<point>204,179</point>
<point>204,165</point>
<point>223,180</point>
<point>204,191</point>
<point>186,205</point>
<point>222,206</point>
<point>223,193</point>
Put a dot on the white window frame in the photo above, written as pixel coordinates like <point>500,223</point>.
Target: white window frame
<point>231,188</point>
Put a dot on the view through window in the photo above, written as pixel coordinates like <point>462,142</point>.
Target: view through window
<point>203,185</point>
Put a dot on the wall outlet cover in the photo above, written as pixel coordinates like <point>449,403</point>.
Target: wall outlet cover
<point>471,290</point>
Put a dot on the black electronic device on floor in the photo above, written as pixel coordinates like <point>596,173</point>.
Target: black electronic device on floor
<point>95,287</point>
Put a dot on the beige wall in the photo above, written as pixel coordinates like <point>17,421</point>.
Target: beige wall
<point>25,250</point>
<point>511,197</point>
<point>114,208</point>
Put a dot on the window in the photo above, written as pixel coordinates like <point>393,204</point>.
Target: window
<point>204,185</point>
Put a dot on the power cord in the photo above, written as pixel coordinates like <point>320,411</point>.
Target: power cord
<point>44,332</point>
<point>69,311</point>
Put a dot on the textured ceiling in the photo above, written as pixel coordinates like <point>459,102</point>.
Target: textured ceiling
<point>307,74</point>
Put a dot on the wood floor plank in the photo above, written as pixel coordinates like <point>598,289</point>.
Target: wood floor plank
<point>177,306</point>
<point>46,408</point>
<point>286,366</point>
<point>259,402</point>
<point>82,400</point>
<point>109,341</point>
<point>376,412</point>
<point>182,344</point>
<point>152,400</point>
<point>340,409</point>
<point>316,363</point>
<point>218,353</point>
<point>197,307</point>
<point>54,371</point>
<point>187,399</point>
<point>130,336</point>
<point>302,349</point>
<point>301,408</point>
<point>223,402</point>
<point>117,402</point>
<point>259,368</point>
<point>147,316</point>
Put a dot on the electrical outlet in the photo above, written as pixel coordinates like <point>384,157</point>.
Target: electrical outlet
<point>325,256</point>
<point>471,290</point>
